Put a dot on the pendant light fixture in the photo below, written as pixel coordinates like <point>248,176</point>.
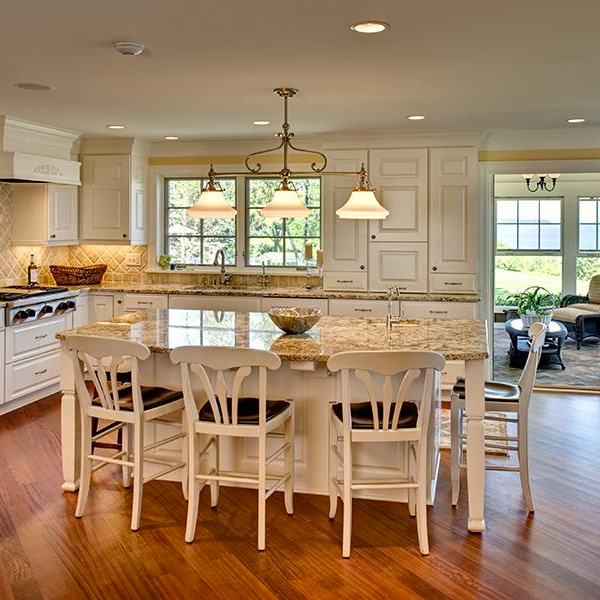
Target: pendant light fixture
<point>212,203</point>
<point>542,183</point>
<point>286,203</point>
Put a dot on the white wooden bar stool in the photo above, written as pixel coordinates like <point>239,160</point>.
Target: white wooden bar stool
<point>128,406</point>
<point>388,416</point>
<point>504,398</point>
<point>222,411</point>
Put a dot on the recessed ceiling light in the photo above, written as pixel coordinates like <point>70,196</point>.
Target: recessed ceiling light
<point>415,117</point>
<point>129,48</point>
<point>260,122</point>
<point>171,137</point>
<point>370,27</point>
<point>35,87</point>
<point>116,126</point>
<point>576,120</point>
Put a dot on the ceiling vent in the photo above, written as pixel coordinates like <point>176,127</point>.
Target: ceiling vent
<point>129,48</point>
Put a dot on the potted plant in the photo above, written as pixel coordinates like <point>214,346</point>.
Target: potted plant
<point>164,261</point>
<point>534,304</point>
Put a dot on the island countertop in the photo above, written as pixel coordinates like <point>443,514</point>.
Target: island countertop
<point>165,329</point>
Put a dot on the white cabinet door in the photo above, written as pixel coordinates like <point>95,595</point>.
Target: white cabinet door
<point>399,264</point>
<point>453,214</point>
<point>344,240</point>
<point>101,308</point>
<point>400,180</point>
<point>321,303</point>
<point>62,213</point>
<point>81,316</point>
<point>201,302</point>
<point>106,197</point>
<point>2,363</point>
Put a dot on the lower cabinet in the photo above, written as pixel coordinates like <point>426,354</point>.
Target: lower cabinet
<point>133,302</point>
<point>101,307</point>
<point>439,310</point>
<point>362,308</point>
<point>269,303</point>
<point>201,302</point>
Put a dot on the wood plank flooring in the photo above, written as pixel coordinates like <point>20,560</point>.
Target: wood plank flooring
<point>45,552</point>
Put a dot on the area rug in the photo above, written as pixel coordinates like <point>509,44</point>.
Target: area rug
<point>489,427</point>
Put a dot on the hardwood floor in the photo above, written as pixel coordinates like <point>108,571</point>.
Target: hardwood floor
<point>45,552</point>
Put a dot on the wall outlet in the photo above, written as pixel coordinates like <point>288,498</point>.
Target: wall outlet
<point>133,260</point>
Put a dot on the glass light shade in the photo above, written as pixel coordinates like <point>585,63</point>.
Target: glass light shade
<point>285,203</point>
<point>527,175</point>
<point>362,204</point>
<point>211,205</point>
<point>554,175</point>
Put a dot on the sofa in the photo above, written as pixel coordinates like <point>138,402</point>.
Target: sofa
<point>581,314</point>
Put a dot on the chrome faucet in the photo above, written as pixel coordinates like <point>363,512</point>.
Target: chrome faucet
<point>264,278</point>
<point>223,277</point>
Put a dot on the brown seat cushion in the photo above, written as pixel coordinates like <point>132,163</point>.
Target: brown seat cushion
<point>362,414</point>
<point>152,397</point>
<point>247,410</point>
<point>494,390</point>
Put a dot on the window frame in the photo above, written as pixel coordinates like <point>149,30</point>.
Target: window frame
<point>165,218</point>
<point>588,253</point>
<point>248,207</point>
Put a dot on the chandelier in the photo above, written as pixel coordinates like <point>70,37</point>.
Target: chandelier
<point>362,203</point>
<point>542,183</point>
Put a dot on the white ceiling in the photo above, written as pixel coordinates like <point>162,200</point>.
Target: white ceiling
<point>209,67</point>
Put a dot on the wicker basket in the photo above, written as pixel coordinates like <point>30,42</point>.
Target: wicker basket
<point>65,275</point>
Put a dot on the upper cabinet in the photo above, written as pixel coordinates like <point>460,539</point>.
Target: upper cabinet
<point>453,219</point>
<point>400,180</point>
<point>344,240</point>
<point>114,196</point>
<point>45,214</point>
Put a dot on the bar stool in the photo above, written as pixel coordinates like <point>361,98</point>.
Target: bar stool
<point>387,416</point>
<point>223,411</point>
<point>128,407</point>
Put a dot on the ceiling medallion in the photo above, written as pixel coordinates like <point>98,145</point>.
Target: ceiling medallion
<point>286,203</point>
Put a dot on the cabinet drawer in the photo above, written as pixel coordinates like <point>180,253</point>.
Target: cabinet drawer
<point>31,375</point>
<point>439,310</point>
<point>133,302</point>
<point>201,302</point>
<point>345,281</point>
<point>30,339</point>
<point>321,303</point>
<point>361,308</point>
<point>452,283</point>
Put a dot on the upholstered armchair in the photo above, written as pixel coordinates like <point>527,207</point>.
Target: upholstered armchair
<point>581,314</point>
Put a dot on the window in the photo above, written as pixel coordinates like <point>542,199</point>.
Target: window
<point>528,225</point>
<point>195,241</point>
<point>589,224</point>
<point>280,242</point>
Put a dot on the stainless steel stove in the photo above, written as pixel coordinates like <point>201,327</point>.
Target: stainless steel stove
<point>32,303</point>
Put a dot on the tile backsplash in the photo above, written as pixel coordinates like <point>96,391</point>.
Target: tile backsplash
<point>14,260</point>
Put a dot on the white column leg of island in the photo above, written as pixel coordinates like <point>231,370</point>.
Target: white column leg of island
<point>70,424</point>
<point>475,409</point>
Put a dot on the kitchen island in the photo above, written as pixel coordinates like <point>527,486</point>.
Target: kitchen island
<point>303,377</point>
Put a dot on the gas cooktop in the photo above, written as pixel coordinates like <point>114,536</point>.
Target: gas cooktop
<point>18,292</point>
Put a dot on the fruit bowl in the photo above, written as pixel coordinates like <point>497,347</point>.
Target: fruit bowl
<point>293,319</point>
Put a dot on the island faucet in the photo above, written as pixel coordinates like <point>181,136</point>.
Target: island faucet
<point>223,277</point>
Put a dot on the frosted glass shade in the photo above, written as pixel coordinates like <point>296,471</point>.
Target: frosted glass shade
<point>285,203</point>
<point>211,205</point>
<point>362,204</point>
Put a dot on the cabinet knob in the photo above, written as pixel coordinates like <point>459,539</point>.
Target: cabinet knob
<point>124,235</point>
<point>434,268</point>
<point>373,237</point>
<point>119,302</point>
<point>53,236</point>
<point>362,267</point>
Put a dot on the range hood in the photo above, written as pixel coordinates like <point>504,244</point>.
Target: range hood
<point>32,153</point>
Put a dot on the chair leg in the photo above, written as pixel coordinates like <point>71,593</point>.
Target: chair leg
<point>184,458</point>
<point>422,504</point>
<point>455,447</point>
<point>332,470</point>
<point>524,461</point>
<point>214,485</point>
<point>262,485</point>
<point>347,527</point>
<point>127,430</point>
<point>289,465</point>
<point>138,474</point>
<point>193,486</point>
<point>86,466</point>
<point>412,473</point>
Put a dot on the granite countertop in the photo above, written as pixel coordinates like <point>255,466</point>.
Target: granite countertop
<point>288,292</point>
<point>165,329</point>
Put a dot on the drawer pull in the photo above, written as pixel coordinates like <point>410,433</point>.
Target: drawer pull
<point>452,282</point>
<point>363,309</point>
<point>41,337</point>
<point>140,303</point>
<point>438,312</point>
<point>344,281</point>
<point>41,372</point>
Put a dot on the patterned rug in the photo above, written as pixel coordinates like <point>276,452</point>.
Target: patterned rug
<point>489,427</point>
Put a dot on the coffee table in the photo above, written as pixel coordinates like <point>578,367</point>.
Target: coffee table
<point>519,344</point>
